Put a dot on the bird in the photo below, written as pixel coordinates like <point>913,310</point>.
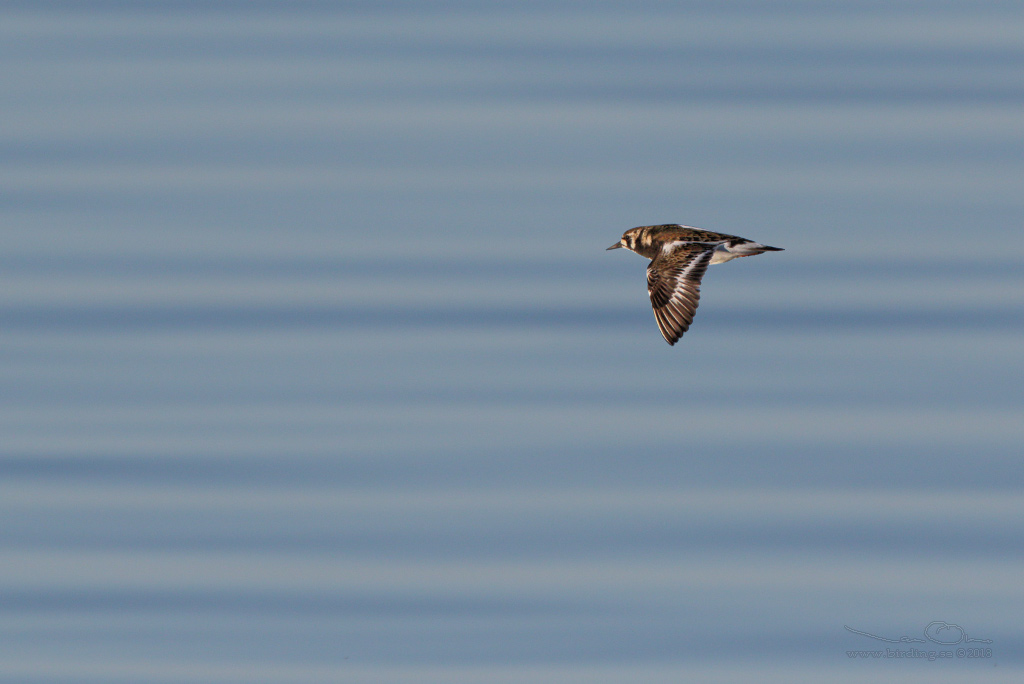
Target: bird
<point>679,257</point>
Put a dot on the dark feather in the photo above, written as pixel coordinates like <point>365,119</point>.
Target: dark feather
<point>673,281</point>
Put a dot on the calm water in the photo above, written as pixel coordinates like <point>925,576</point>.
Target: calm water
<point>313,367</point>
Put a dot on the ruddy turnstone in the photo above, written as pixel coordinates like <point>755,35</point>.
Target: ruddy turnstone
<point>679,257</point>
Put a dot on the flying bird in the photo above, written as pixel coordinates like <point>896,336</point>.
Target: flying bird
<point>679,257</point>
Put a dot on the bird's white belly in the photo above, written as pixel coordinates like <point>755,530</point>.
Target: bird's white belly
<point>721,255</point>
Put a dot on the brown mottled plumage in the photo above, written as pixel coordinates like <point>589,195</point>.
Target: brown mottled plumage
<point>679,257</point>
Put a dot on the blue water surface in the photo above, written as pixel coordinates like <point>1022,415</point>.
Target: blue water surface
<point>314,368</point>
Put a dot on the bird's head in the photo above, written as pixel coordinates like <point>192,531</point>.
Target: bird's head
<point>628,239</point>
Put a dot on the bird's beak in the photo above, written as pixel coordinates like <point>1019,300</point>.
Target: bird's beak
<point>615,246</point>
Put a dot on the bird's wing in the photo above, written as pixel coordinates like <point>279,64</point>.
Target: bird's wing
<point>673,281</point>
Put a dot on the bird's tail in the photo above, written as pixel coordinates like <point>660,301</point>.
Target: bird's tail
<point>743,249</point>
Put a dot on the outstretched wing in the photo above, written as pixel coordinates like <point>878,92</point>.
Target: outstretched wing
<point>673,281</point>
